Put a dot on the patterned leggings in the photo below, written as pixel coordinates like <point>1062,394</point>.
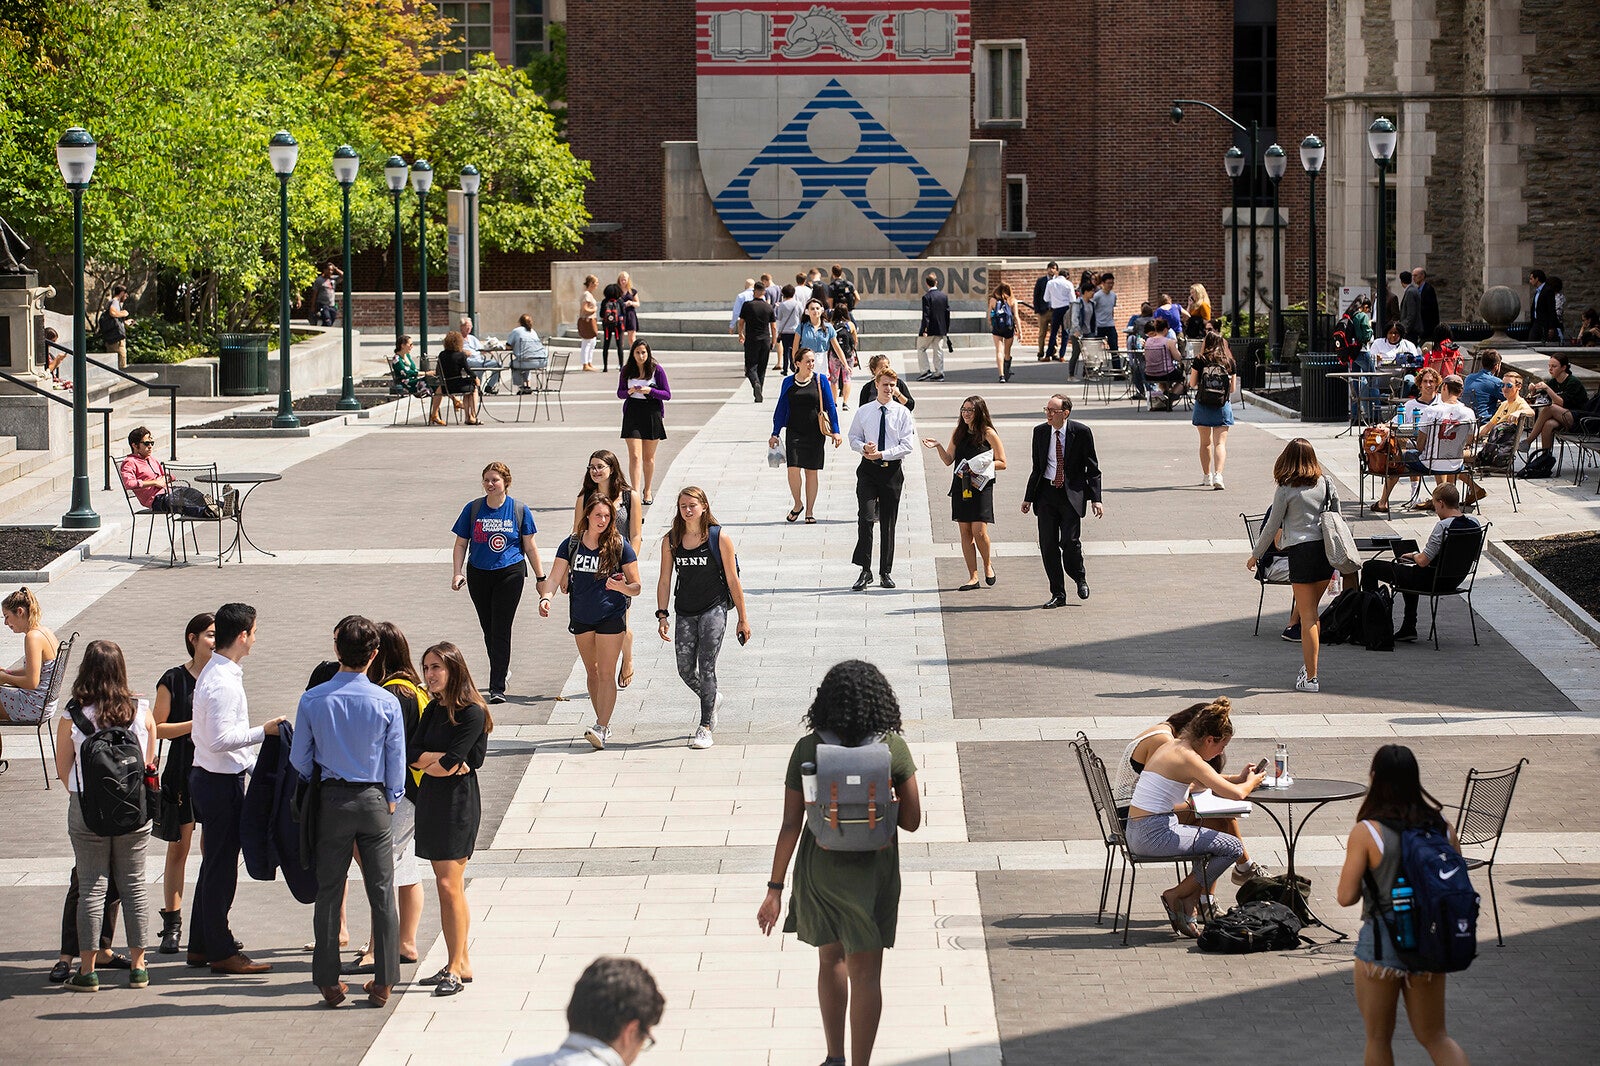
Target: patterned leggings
<point>697,638</point>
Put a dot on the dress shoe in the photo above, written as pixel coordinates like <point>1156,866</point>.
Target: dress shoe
<point>333,995</point>
<point>863,581</point>
<point>197,958</point>
<point>240,964</point>
<point>377,995</point>
<point>1055,601</point>
<point>1083,590</point>
<point>886,581</point>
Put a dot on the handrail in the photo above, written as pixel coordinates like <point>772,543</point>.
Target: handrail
<point>152,386</point>
<point>103,412</point>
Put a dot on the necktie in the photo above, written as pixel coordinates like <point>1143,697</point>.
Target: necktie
<point>1061,460</point>
<point>883,427</point>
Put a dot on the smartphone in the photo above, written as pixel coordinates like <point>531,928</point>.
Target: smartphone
<point>742,638</point>
<point>1261,767</point>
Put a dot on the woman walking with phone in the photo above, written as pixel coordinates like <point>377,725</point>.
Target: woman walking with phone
<point>494,543</point>
<point>642,388</point>
<point>604,476</point>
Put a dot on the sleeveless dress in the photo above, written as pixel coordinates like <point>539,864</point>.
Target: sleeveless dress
<point>802,437</point>
<point>25,706</point>
<point>179,682</point>
<point>979,506</point>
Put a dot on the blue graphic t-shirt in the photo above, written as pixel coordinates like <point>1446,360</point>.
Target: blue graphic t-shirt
<point>493,540</point>
<point>591,602</point>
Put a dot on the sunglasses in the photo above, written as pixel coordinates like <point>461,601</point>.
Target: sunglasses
<point>146,442</point>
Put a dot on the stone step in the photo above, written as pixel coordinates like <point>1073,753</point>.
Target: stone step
<point>725,342</point>
<point>7,445</point>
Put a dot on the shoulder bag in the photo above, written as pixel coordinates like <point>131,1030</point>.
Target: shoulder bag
<point>1338,543</point>
<point>822,408</point>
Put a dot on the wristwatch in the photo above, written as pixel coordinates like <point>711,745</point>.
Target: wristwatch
<point>663,613</point>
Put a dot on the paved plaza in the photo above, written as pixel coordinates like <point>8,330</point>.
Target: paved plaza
<point>656,851</point>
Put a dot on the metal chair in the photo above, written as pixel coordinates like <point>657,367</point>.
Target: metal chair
<point>1096,373</point>
<point>399,386</point>
<point>1252,530</point>
<point>1080,747</point>
<point>185,476</point>
<point>1481,818</point>
<point>1281,366</point>
<point>550,384</point>
<point>136,511</point>
<point>1507,468</point>
<point>52,698</point>
<point>1456,541</point>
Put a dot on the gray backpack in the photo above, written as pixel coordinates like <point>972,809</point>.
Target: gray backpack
<point>855,808</point>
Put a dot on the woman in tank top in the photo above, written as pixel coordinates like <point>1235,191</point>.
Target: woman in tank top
<point>174,718</point>
<point>605,477</point>
<point>706,588</point>
<point>22,691</point>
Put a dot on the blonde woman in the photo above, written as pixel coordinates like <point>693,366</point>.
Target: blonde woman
<point>22,691</point>
<point>630,307</point>
<point>1199,305</point>
<point>588,320</point>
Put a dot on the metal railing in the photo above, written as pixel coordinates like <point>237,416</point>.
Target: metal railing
<point>153,387</point>
<point>103,412</point>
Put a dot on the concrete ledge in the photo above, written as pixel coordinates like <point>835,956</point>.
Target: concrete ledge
<point>1540,586</point>
<point>318,363</point>
<point>1274,408</point>
<point>64,562</point>
<point>314,429</point>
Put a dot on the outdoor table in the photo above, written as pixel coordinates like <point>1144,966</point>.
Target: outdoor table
<point>247,482</point>
<point>1357,378</point>
<point>1318,793</point>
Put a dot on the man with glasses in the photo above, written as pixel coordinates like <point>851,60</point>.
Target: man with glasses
<point>614,1006</point>
<point>1064,484</point>
<point>142,473</point>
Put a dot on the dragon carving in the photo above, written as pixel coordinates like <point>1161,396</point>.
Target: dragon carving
<point>824,28</point>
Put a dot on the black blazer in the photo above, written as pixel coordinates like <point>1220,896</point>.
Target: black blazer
<point>1430,309</point>
<point>1544,311</point>
<point>935,314</point>
<point>1039,306</point>
<point>1083,468</point>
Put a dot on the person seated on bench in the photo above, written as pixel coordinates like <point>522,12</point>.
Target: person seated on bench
<point>528,352</point>
<point>1163,364</point>
<point>142,473</point>
<point>22,691</point>
<point>1412,572</point>
<point>456,380</point>
<point>407,378</point>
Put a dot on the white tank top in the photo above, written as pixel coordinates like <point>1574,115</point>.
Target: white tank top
<point>1158,794</point>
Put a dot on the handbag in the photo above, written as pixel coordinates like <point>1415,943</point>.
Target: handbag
<point>1338,543</point>
<point>588,328</point>
<point>822,412</point>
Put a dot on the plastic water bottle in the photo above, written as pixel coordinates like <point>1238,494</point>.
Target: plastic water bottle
<point>1416,417</point>
<point>1405,919</point>
<point>808,781</point>
<point>1280,762</point>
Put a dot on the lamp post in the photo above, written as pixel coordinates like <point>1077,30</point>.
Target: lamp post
<point>421,182</point>
<point>1312,154</point>
<point>1381,137</point>
<point>75,156</point>
<point>470,179</point>
<point>282,151</point>
<point>394,173</point>
<point>1276,161</point>
<point>1254,133</point>
<point>1233,163</point>
<point>345,164</point>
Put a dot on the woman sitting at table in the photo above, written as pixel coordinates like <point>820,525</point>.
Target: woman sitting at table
<point>22,691</point>
<point>1137,755</point>
<point>1428,385</point>
<point>455,378</point>
<point>1163,364</point>
<point>1162,792</point>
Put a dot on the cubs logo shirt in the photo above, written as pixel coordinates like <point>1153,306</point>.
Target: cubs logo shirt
<point>493,540</point>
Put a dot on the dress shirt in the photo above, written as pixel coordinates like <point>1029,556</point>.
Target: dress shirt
<point>352,729</point>
<point>738,305</point>
<point>1058,439</point>
<point>577,1050</point>
<point>789,312</point>
<point>224,739</point>
<point>900,438</point>
<point>1058,291</point>
<point>135,469</point>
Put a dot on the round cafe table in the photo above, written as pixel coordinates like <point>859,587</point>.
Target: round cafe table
<point>1315,792</point>
<point>247,482</point>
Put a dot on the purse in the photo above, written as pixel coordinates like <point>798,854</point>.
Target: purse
<point>588,328</point>
<point>822,412</point>
<point>1338,542</point>
<point>166,812</point>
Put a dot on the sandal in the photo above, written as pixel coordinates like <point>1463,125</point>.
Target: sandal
<point>625,678</point>
<point>811,520</point>
<point>794,514</point>
<point>441,975</point>
<point>1378,508</point>
<point>1182,924</point>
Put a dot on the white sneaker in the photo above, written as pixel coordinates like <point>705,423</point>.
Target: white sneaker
<point>1306,684</point>
<point>597,735</point>
<point>701,739</point>
<point>1216,482</point>
<point>1207,481</point>
<point>1244,871</point>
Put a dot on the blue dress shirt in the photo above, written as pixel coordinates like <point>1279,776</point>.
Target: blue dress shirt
<point>353,730</point>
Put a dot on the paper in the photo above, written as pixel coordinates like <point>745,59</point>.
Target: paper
<point>1208,804</point>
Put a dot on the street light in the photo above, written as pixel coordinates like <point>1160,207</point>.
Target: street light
<point>1255,136</point>
<point>1312,154</point>
<point>395,172</point>
<point>345,164</point>
<point>470,179</point>
<point>282,151</point>
<point>421,182</point>
<point>1381,137</point>
<point>75,156</point>
<point>1276,162</point>
<point>1233,163</point>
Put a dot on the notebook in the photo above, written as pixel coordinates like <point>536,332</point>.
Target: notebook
<point>1208,804</point>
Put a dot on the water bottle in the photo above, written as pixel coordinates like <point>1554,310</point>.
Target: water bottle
<point>1405,919</point>
<point>808,781</point>
<point>1280,762</point>
<point>1416,418</point>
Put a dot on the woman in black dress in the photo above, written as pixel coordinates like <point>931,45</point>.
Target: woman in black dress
<point>804,402</point>
<point>972,509</point>
<point>449,747</point>
<point>174,715</point>
<point>642,388</point>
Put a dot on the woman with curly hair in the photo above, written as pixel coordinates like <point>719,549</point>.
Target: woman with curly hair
<point>845,903</point>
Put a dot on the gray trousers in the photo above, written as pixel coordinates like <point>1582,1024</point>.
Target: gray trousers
<point>360,817</point>
<point>1165,835</point>
<point>100,860</point>
<point>697,641</point>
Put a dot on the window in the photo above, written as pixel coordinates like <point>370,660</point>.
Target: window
<point>1255,84</point>
<point>1002,79</point>
<point>1015,222</point>
<point>470,33</point>
<point>527,30</point>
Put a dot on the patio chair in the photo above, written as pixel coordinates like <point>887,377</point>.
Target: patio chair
<point>1096,368</point>
<point>1481,819</point>
<point>1252,530</point>
<point>1457,543</point>
<point>1446,446</point>
<point>551,382</point>
<point>1482,469</point>
<point>52,698</point>
<point>136,511</point>
<point>399,386</point>
<point>186,476</point>
<point>1281,365</point>
<point>1080,747</point>
<point>1140,397</point>
<point>1584,439</point>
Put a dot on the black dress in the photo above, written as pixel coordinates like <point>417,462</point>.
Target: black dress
<point>802,437</point>
<point>449,808</point>
<point>180,750</point>
<point>978,507</point>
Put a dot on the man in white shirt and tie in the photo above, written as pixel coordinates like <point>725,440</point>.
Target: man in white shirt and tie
<point>884,433</point>
<point>224,751</point>
<point>1059,294</point>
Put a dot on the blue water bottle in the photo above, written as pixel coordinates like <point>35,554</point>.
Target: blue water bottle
<point>1405,919</point>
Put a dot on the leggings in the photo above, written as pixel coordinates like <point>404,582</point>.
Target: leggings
<point>697,639</point>
<point>496,594</point>
<point>605,351</point>
<point>100,862</point>
<point>1165,835</point>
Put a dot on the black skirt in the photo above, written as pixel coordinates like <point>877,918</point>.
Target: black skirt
<point>641,420</point>
<point>979,507</point>
<point>448,812</point>
<point>806,453</point>
<point>1308,563</point>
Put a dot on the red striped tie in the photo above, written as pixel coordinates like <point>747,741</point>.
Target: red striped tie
<point>1061,459</point>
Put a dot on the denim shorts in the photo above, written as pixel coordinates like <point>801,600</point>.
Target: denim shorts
<point>1366,949</point>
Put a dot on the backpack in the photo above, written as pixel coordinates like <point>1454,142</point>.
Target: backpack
<point>842,291</point>
<point>855,809</point>
<point>1377,619</point>
<point>1496,447</point>
<point>1216,385</point>
<point>1252,927</point>
<point>1345,344</point>
<point>1539,464</point>
<point>611,314</point>
<point>112,328</point>
<point>1277,890</point>
<point>1378,449</point>
<point>116,795</point>
<point>1443,902</point>
<point>1001,316</point>
<point>714,536</point>
<point>1342,620</point>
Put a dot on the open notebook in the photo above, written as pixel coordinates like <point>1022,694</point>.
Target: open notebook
<point>1208,804</point>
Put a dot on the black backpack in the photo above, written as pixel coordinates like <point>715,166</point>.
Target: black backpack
<point>1496,447</point>
<point>1262,889</point>
<point>1216,385</point>
<point>1377,620</point>
<point>842,291</point>
<point>114,793</point>
<point>1252,927</point>
<point>1342,620</point>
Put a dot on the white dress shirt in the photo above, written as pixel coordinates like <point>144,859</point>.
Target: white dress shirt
<point>738,305</point>
<point>1058,291</point>
<point>900,437</point>
<point>576,1050</point>
<point>1050,453</point>
<point>224,740</point>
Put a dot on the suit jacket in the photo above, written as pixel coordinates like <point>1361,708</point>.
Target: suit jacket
<point>935,314</point>
<point>1411,313</point>
<point>1430,309</point>
<point>269,838</point>
<point>1082,467</point>
<point>1040,307</point>
<point>1544,311</point>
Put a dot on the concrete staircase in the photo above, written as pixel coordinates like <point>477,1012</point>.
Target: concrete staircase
<point>706,330</point>
<point>29,476</point>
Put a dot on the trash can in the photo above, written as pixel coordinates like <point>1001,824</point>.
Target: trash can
<point>1323,399</point>
<point>239,367</point>
<point>263,356</point>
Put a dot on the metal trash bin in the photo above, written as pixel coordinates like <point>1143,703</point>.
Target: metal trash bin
<point>240,359</point>
<point>1323,399</point>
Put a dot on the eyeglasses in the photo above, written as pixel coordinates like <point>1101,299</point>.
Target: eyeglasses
<point>649,1042</point>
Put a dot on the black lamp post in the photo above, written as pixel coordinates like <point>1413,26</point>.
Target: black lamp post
<point>1312,154</point>
<point>345,165</point>
<point>1255,136</point>
<point>1277,161</point>
<point>1233,163</point>
<point>394,173</point>
<point>421,182</point>
<point>1381,137</point>
<point>283,150</point>
<point>75,156</point>
<point>470,179</point>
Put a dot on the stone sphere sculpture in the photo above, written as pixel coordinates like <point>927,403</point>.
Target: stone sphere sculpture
<point>1499,306</point>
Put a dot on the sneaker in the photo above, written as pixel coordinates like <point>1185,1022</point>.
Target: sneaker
<point>1244,871</point>
<point>83,982</point>
<point>1306,684</point>
<point>701,739</point>
<point>937,377</point>
<point>597,735</point>
<point>1406,633</point>
<point>1216,482</point>
<point>497,697</point>
<point>525,390</point>
<point>1292,633</point>
<point>138,978</point>
<point>1207,481</point>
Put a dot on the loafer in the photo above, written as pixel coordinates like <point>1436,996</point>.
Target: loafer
<point>196,959</point>
<point>117,961</point>
<point>377,995</point>
<point>1083,590</point>
<point>441,975</point>
<point>449,985</point>
<point>60,972</point>
<point>333,995</point>
<point>240,964</point>
<point>863,581</point>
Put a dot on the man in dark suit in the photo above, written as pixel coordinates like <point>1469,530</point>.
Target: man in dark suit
<point>934,329</point>
<point>1428,297</point>
<point>1543,310</point>
<point>1063,484</point>
<point>1410,309</point>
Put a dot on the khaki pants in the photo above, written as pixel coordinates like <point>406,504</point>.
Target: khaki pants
<point>935,345</point>
<point>120,350</point>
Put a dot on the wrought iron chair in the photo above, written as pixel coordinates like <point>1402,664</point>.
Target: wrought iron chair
<point>52,698</point>
<point>1252,530</point>
<point>1481,819</point>
<point>1456,541</point>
